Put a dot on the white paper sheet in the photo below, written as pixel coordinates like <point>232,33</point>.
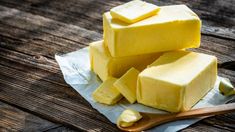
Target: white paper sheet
<point>75,67</point>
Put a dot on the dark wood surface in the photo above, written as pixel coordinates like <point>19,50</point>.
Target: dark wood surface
<point>33,94</point>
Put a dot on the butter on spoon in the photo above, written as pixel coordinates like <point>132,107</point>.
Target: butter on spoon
<point>128,118</point>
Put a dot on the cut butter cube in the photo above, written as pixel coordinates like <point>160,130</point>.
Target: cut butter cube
<point>128,118</point>
<point>126,85</point>
<point>226,87</point>
<point>177,80</point>
<point>174,27</point>
<point>103,64</point>
<point>134,11</point>
<point>106,93</point>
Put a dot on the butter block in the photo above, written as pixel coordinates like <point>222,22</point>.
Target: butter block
<point>126,85</point>
<point>174,27</point>
<point>134,11</point>
<point>177,80</point>
<point>106,93</point>
<point>103,64</point>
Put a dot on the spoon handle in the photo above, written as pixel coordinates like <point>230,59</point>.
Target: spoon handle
<point>208,111</point>
<point>215,110</point>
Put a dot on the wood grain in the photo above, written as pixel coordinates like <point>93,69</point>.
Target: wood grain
<point>33,31</point>
<point>87,12</point>
<point>14,119</point>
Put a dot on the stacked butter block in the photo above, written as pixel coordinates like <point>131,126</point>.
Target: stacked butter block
<point>143,57</point>
<point>173,27</point>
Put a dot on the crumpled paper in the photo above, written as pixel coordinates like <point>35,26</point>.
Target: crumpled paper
<point>75,67</point>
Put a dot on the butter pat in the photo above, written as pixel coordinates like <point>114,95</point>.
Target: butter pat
<point>103,64</point>
<point>126,85</point>
<point>177,80</point>
<point>226,88</point>
<point>106,93</point>
<point>174,27</point>
<point>134,11</point>
<point>128,118</point>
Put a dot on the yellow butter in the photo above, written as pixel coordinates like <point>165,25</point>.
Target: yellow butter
<point>103,64</point>
<point>128,118</point>
<point>126,85</point>
<point>177,80</point>
<point>174,27</point>
<point>106,93</point>
<point>134,11</point>
<point>226,88</point>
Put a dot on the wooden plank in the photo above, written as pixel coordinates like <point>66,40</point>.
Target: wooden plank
<point>46,45</point>
<point>61,129</point>
<point>35,92</point>
<point>225,123</point>
<point>199,127</point>
<point>60,92</point>
<point>228,74</point>
<point>81,118</point>
<point>72,12</point>
<point>85,13</point>
<point>31,22</point>
<point>63,95</point>
<point>14,119</point>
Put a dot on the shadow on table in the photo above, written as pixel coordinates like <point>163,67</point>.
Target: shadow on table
<point>64,105</point>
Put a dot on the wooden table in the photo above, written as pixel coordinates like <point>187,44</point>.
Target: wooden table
<point>33,94</point>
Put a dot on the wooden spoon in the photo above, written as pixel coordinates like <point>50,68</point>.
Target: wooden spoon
<point>150,120</point>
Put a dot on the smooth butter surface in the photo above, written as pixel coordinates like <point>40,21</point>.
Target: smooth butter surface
<point>134,11</point>
<point>106,93</point>
<point>126,85</point>
<point>104,65</point>
<point>177,80</point>
<point>174,27</point>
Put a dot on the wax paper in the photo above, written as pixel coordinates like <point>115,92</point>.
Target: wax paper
<point>75,67</point>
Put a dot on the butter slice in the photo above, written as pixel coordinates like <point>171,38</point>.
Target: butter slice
<point>128,118</point>
<point>134,11</point>
<point>174,27</point>
<point>177,80</point>
<point>126,85</point>
<point>106,93</point>
<point>226,88</point>
<point>103,64</point>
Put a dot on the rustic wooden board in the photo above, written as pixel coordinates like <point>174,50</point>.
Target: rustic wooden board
<point>14,119</point>
<point>33,31</point>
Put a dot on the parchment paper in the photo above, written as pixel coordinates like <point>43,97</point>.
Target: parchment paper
<point>75,67</point>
